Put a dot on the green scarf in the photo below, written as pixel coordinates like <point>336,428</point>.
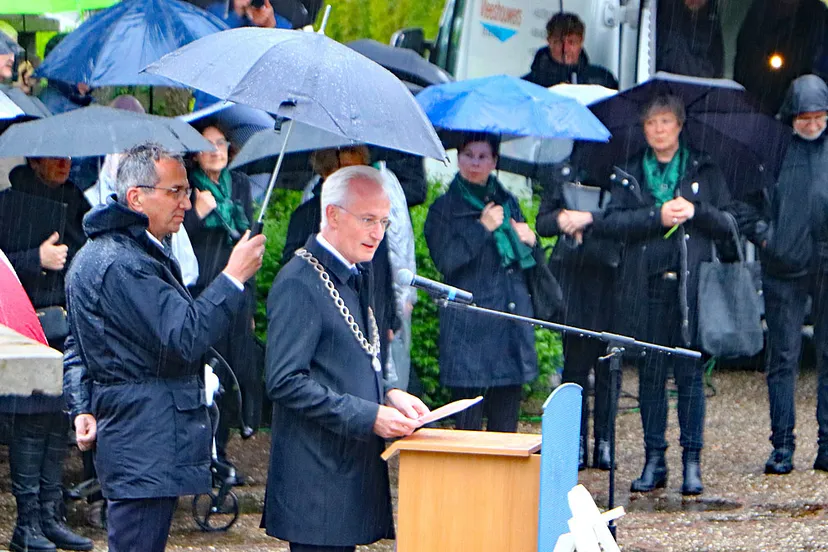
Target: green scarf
<point>662,183</point>
<point>509,246</point>
<point>228,214</point>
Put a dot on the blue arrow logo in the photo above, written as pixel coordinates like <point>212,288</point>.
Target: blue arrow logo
<point>501,33</point>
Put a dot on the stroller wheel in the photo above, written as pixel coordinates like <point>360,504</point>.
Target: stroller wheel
<point>215,511</point>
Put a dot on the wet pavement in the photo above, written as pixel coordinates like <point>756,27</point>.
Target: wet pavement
<point>741,509</point>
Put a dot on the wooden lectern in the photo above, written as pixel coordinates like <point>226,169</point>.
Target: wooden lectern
<point>467,490</point>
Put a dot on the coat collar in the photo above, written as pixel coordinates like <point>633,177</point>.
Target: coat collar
<point>333,265</point>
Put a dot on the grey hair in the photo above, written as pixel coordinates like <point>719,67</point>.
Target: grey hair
<point>335,190</point>
<point>137,167</point>
<point>665,102</point>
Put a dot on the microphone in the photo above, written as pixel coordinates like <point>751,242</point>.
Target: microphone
<point>407,278</point>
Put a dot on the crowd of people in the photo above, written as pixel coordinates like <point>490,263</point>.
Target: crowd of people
<point>137,279</point>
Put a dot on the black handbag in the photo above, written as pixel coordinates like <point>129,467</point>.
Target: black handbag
<point>546,292</point>
<point>54,323</point>
<point>729,306</point>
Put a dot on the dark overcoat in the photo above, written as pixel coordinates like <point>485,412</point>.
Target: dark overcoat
<point>587,285</point>
<point>327,484</point>
<point>135,358</point>
<point>478,350</point>
<point>633,217</point>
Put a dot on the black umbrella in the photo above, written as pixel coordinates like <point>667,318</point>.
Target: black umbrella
<point>406,64</point>
<point>323,84</point>
<point>95,131</point>
<point>722,121</point>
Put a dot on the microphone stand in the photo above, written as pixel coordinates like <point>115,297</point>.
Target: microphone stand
<point>617,345</point>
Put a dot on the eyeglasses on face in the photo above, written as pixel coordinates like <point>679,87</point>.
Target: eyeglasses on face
<point>481,158</point>
<point>219,144</point>
<point>369,222</point>
<point>179,192</point>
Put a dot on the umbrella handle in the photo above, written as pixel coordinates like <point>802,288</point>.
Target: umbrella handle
<point>256,228</point>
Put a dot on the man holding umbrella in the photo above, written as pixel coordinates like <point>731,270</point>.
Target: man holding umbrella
<point>794,255</point>
<point>132,364</point>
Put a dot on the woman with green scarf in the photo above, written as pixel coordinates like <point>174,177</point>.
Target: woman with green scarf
<point>667,209</point>
<point>222,208</point>
<point>480,242</point>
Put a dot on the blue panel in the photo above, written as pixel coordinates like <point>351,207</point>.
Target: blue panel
<point>559,462</point>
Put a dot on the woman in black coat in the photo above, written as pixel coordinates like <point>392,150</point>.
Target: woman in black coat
<point>666,207</point>
<point>585,269</point>
<point>479,241</point>
<point>222,211</point>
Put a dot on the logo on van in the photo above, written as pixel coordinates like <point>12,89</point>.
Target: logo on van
<point>496,15</point>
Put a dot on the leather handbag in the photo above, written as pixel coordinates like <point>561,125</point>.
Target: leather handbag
<point>729,306</point>
<point>54,323</point>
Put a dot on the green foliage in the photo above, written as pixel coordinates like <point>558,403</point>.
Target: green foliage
<point>379,19</point>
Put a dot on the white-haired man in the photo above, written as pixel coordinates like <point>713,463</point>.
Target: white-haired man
<point>327,486</point>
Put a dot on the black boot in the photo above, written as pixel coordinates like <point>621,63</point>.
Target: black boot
<point>601,455</point>
<point>28,536</point>
<point>654,475</point>
<point>582,447</point>
<point>821,462</point>
<point>692,484</point>
<point>55,529</point>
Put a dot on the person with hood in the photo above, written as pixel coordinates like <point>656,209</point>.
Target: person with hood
<point>563,58</point>
<point>689,38</point>
<point>135,356</point>
<point>667,208</point>
<point>794,257</point>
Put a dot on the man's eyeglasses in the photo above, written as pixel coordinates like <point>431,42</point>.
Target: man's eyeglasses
<point>369,222</point>
<point>179,192</point>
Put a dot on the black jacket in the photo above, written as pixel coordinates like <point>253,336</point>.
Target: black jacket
<point>797,204</point>
<point>633,218</point>
<point>587,285</point>
<point>29,214</point>
<point>134,358</point>
<point>689,43</point>
<point>475,350</point>
<point>210,245</point>
<point>327,484</point>
<point>547,72</point>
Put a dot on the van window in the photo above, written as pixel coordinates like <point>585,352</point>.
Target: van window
<point>448,37</point>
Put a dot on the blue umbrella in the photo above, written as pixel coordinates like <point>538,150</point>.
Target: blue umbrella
<point>113,46</point>
<point>509,107</point>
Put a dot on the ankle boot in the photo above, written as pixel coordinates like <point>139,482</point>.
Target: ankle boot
<point>582,447</point>
<point>692,484</point>
<point>28,535</point>
<point>654,475</point>
<point>601,455</point>
<point>55,529</point>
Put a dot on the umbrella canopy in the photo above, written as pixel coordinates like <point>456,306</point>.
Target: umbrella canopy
<point>33,7</point>
<point>9,109</point>
<point>722,121</point>
<point>113,46</point>
<point>95,130</point>
<point>509,107</point>
<point>326,85</point>
<point>406,64</point>
<point>585,94</point>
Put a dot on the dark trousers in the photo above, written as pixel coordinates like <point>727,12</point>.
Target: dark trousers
<point>36,452</point>
<point>581,354</point>
<point>664,316</point>
<point>785,304</point>
<point>296,547</point>
<point>500,406</point>
<point>140,525</point>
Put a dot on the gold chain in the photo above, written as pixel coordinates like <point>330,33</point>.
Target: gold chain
<point>372,349</point>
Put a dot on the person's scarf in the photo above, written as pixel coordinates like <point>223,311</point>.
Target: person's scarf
<point>228,214</point>
<point>509,246</point>
<point>662,182</point>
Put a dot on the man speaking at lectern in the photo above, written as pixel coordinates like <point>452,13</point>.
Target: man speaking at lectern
<point>327,487</point>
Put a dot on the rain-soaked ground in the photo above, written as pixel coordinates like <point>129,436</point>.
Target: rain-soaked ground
<point>741,509</point>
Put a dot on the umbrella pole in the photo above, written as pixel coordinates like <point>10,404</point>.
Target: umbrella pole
<point>259,224</point>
